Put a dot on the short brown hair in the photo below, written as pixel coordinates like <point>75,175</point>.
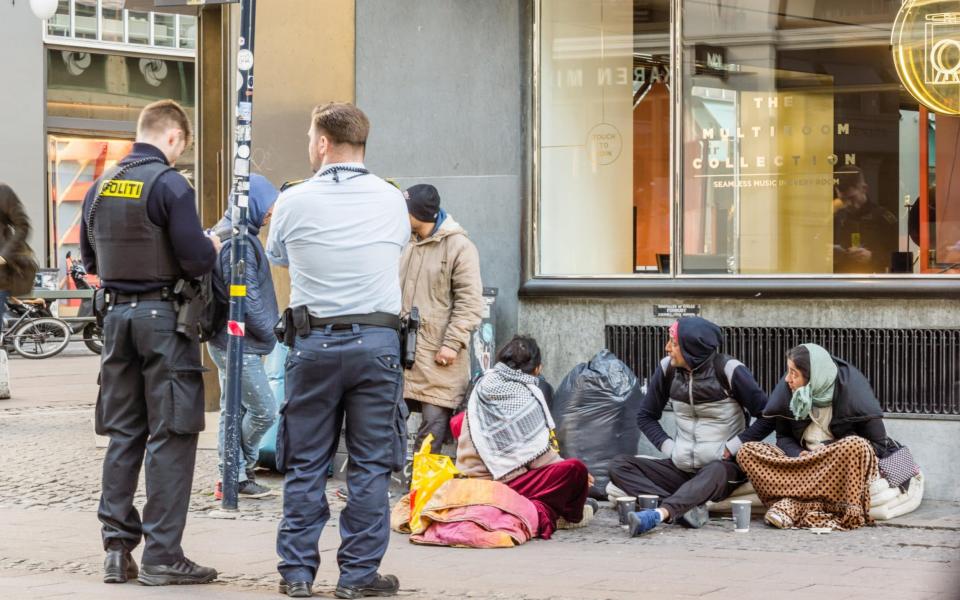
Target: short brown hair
<point>161,115</point>
<point>342,122</point>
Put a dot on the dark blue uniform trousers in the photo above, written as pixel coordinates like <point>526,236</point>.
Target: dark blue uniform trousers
<point>332,374</point>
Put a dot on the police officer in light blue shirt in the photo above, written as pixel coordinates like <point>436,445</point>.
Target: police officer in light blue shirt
<point>340,233</point>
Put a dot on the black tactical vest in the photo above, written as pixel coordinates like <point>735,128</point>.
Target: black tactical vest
<point>129,246</point>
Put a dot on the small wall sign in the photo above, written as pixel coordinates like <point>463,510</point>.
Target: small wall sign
<point>675,311</point>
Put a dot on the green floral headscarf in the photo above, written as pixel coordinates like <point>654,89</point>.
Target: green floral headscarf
<point>819,389</point>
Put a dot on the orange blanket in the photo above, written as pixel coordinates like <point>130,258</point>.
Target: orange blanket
<point>470,513</point>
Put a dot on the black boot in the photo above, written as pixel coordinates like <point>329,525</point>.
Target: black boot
<point>182,572</point>
<point>296,589</point>
<point>382,585</point>
<point>119,566</point>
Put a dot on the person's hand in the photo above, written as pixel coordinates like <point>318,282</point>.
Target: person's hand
<point>804,453</point>
<point>860,255</point>
<point>215,240</point>
<point>445,357</point>
<point>727,455</point>
<point>590,480</point>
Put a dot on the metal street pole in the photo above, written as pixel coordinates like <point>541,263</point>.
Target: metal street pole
<point>239,200</point>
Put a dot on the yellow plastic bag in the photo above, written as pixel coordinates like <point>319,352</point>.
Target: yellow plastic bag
<point>430,471</point>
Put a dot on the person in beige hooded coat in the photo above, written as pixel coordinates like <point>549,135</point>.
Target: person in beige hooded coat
<point>440,276</point>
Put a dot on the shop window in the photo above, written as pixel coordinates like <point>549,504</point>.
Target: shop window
<point>99,89</point>
<point>797,150</point>
<point>800,147</point>
<point>604,151</point>
<point>91,85</point>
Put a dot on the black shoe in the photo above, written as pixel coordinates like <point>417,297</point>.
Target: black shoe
<point>296,589</point>
<point>382,585</point>
<point>251,489</point>
<point>119,566</point>
<point>182,572</point>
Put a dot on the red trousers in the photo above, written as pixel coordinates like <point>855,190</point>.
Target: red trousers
<point>557,490</point>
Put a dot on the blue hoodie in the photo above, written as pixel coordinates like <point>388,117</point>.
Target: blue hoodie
<point>261,311</point>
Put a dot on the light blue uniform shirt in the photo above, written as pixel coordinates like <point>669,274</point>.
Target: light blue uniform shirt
<point>342,243</point>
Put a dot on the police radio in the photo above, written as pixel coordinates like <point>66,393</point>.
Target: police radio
<point>408,341</point>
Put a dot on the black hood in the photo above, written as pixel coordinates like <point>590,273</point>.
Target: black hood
<point>699,339</point>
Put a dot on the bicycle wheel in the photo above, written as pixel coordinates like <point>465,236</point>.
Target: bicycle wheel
<point>93,338</point>
<point>41,338</point>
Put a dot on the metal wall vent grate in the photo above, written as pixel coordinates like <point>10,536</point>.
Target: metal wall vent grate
<point>912,371</point>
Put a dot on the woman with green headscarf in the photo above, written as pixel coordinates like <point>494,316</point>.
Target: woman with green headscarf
<point>830,435</point>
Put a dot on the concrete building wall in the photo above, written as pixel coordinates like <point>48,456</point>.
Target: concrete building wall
<point>571,330</point>
<point>442,81</point>
<point>22,142</point>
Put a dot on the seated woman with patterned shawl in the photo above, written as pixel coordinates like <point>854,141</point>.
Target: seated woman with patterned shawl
<point>507,436</point>
<point>830,434</point>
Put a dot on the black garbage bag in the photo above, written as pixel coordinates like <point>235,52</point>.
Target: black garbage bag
<point>595,410</point>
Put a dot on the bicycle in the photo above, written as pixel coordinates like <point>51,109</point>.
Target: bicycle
<point>34,331</point>
<point>85,324</point>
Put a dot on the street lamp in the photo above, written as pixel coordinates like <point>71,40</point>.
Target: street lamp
<point>44,9</point>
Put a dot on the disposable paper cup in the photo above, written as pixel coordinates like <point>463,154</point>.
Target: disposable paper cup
<point>648,501</point>
<point>741,515</point>
<point>625,506</point>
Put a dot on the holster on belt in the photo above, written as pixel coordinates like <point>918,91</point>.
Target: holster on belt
<point>189,306</point>
<point>295,321</point>
<point>101,301</point>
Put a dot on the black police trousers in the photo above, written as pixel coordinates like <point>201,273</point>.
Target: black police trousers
<point>151,407</point>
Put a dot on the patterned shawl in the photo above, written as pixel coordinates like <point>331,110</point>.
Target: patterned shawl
<point>510,423</point>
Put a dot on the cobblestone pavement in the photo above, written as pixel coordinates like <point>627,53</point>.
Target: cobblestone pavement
<point>49,486</point>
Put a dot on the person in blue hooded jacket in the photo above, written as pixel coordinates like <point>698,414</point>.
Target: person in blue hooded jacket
<point>258,406</point>
<point>713,396</point>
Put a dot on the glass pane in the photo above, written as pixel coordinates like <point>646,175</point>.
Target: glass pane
<point>59,24</point>
<point>91,85</point>
<point>188,31</point>
<point>112,20</point>
<point>86,19</point>
<point>801,150</point>
<point>138,27</point>
<point>164,30</point>
<point>74,163</point>
<point>604,137</point>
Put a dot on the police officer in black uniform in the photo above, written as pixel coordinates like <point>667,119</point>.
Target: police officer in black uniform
<point>141,234</point>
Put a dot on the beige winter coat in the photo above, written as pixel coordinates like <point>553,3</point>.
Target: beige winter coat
<point>440,275</point>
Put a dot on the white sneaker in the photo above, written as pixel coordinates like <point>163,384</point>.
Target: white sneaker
<point>589,510</point>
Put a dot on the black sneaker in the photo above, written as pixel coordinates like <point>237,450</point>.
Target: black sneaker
<point>382,585</point>
<point>251,489</point>
<point>296,589</point>
<point>182,572</point>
